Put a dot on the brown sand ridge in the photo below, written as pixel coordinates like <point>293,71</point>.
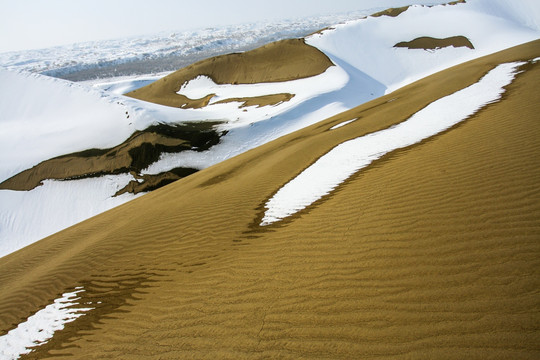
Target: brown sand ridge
<point>135,154</point>
<point>393,12</point>
<point>429,43</point>
<point>278,61</point>
<point>431,252</point>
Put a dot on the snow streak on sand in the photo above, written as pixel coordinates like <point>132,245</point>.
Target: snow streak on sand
<point>342,124</point>
<point>39,328</point>
<point>347,158</point>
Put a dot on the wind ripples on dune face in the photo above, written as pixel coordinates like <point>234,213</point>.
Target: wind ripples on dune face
<point>344,160</point>
<point>39,328</point>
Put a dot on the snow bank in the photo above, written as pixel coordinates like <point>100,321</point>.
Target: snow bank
<point>27,216</point>
<point>43,117</point>
<point>368,44</point>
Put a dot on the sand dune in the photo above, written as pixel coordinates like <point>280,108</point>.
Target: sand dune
<point>66,122</point>
<point>279,61</point>
<point>430,252</point>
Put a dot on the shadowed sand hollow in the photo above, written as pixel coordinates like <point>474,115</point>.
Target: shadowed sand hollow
<point>430,252</point>
<point>278,61</point>
<point>429,43</point>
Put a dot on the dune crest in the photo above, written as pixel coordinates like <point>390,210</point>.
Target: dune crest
<point>281,61</point>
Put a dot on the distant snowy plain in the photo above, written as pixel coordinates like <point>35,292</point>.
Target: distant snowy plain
<point>44,117</point>
<point>162,52</point>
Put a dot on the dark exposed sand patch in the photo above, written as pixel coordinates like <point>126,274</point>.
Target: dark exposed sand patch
<point>432,253</point>
<point>279,61</point>
<point>393,12</point>
<point>265,100</point>
<point>135,154</point>
<point>146,182</point>
<point>429,43</point>
<point>187,103</point>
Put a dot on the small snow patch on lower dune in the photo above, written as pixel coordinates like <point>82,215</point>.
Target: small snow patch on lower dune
<point>39,328</point>
<point>344,160</point>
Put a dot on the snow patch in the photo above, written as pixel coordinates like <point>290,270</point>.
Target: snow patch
<point>342,124</point>
<point>39,328</point>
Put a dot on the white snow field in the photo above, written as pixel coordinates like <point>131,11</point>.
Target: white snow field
<point>42,117</point>
<point>344,160</point>
<point>39,328</point>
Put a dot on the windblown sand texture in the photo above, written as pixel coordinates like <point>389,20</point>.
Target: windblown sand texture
<point>430,252</point>
<point>279,61</point>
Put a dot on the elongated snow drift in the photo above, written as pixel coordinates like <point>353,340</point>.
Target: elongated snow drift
<point>344,160</point>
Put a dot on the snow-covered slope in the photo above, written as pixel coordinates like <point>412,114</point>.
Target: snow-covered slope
<point>364,51</point>
<point>368,44</point>
<point>44,117</point>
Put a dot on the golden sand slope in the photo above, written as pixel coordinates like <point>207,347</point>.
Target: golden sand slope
<point>431,252</point>
<point>278,61</point>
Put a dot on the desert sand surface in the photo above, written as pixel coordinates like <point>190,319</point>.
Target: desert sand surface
<point>430,252</point>
<point>275,62</point>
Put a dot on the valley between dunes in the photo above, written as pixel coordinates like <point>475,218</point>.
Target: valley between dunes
<point>430,252</point>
